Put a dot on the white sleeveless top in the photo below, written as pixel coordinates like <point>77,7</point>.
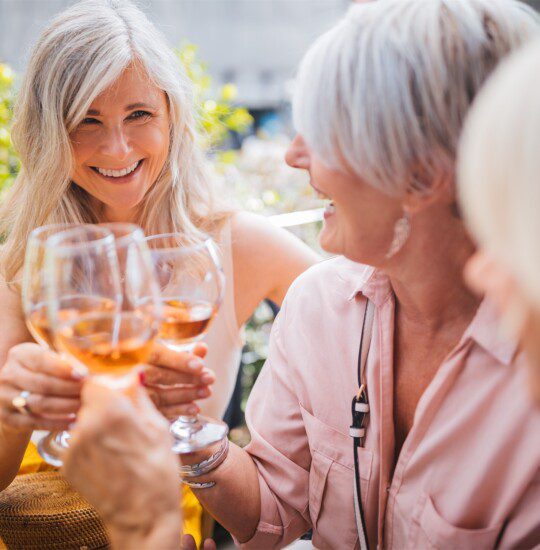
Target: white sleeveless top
<point>224,340</point>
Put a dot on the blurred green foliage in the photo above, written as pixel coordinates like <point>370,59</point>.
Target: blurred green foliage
<point>9,164</point>
<point>216,116</point>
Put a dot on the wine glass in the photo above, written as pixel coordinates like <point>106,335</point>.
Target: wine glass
<point>34,302</point>
<point>108,267</point>
<point>192,284</point>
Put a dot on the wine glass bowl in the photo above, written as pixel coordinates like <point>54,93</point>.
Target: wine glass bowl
<point>191,283</point>
<point>110,267</point>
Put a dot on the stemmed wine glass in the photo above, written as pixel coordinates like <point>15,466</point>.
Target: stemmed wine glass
<point>34,302</point>
<point>102,299</point>
<point>192,284</point>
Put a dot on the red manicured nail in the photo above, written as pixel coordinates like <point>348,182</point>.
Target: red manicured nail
<point>142,378</point>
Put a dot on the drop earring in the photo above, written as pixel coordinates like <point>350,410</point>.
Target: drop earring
<point>402,230</point>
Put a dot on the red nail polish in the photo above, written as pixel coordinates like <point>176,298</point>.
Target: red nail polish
<point>142,378</point>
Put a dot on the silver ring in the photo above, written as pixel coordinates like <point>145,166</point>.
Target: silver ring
<point>20,402</point>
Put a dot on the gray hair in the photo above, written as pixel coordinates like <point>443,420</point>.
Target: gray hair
<point>81,53</point>
<point>384,93</point>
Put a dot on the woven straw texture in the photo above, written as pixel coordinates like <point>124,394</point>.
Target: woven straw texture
<point>42,511</point>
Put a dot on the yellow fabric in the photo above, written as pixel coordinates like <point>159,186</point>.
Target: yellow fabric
<point>32,462</point>
<point>191,509</point>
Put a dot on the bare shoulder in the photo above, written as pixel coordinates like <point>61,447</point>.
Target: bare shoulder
<point>266,261</point>
<point>254,234</point>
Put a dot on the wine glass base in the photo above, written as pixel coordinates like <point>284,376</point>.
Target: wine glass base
<point>52,446</point>
<point>192,434</point>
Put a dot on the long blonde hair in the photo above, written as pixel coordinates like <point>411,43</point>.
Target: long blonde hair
<point>82,52</point>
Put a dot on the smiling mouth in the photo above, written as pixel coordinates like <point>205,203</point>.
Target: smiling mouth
<point>118,174</point>
<point>330,207</point>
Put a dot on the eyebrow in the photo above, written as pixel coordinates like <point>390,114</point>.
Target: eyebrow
<point>130,107</point>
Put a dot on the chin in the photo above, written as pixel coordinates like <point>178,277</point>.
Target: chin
<point>125,203</point>
<point>329,244</point>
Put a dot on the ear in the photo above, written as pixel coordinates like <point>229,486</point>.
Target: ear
<point>425,190</point>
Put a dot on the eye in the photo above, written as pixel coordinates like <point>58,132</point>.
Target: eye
<point>90,120</point>
<point>139,115</point>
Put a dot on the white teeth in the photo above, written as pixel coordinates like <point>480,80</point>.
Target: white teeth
<point>330,208</point>
<point>118,173</point>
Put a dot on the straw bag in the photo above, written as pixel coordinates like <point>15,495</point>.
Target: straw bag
<point>42,511</point>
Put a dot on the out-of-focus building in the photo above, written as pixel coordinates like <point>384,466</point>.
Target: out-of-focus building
<point>255,44</point>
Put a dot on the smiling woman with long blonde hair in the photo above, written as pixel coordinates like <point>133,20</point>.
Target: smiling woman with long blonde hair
<point>105,129</point>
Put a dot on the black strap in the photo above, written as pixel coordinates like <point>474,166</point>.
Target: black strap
<point>359,413</point>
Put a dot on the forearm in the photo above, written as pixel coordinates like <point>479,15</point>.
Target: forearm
<point>13,445</point>
<point>165,534</point>
<point>235,500</point>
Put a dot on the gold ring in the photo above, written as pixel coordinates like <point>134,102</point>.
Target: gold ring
<point>20,402</point>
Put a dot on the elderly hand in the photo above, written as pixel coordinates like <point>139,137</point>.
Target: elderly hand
<point>174,380</point>
<point>51,389</point>
<point>120,460</point>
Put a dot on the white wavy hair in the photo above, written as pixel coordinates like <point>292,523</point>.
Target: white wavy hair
<point>81,53</point>
<point>384,93</point>
<point>499,168</point>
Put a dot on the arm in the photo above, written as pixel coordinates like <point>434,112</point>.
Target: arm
<point>261,493</point>
<point>26,366</point>
<point>120,460</point>
<point>13,442</point>
<point>267,259</point>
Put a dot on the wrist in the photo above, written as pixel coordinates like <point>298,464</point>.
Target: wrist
<point>164,533</point>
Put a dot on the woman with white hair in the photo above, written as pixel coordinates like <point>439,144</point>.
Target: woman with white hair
<point>499,184</point>
<point>390,387</point>
<point>105,129</point>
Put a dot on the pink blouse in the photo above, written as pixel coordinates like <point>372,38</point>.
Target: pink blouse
<point>468,474</point>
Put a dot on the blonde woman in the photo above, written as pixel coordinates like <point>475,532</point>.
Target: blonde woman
<point>500,193</point>
<point>105,130</point>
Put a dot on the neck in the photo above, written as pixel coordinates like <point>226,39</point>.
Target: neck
<point>111,215</point>
<point>427,277</point>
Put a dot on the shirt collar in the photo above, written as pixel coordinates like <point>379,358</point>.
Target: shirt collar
<point>368,281</point>
<point>485,328</point>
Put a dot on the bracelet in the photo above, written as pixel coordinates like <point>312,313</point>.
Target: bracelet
<point>211,463</point>
<point>194,485</point>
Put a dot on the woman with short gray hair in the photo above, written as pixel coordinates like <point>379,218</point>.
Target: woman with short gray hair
<point>388,386</point>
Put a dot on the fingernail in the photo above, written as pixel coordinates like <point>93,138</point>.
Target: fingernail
<point>77,374</point>
<point>203,392</point>
<point>194,364</point>
<point>142,378</point>
<point>207,379</point>
<point>192,409</point>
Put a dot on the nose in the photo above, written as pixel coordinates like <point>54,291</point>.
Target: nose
<point>116,143</point>
<point>297,154</point>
